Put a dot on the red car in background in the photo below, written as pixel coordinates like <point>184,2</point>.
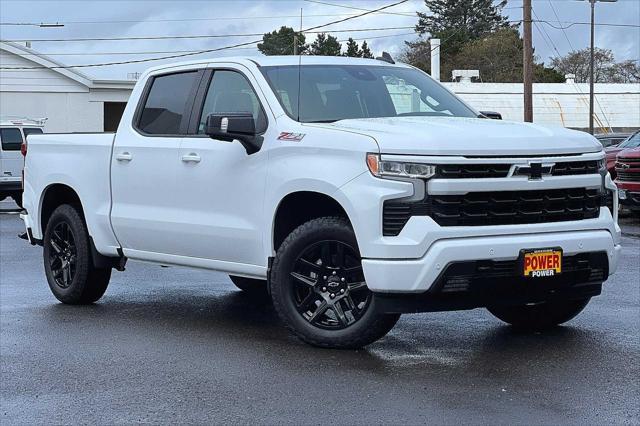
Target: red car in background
<point>612,152</point>
<point>628,178</point>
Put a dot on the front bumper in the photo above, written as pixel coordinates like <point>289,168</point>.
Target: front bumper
<point>629,194</point>
<point>419,275</point>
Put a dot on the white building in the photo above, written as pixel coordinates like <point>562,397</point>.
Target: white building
<point>73,102</point>
<point>616,106</point>
<point>70,100</point>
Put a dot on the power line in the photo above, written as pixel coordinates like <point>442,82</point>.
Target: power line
<point>153,21</point>
<point>563,31</point>
<point>408,14</point>
<point>195,36</point>
<point>182,55</point>
<point>165,52</point>
<point>597,24</point>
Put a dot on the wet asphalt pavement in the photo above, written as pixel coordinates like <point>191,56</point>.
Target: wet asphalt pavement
<point>167,345</point>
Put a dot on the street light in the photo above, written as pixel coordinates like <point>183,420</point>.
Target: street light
<point>591,60</point>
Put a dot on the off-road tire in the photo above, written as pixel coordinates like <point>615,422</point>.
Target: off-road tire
<point>541,316</point>
<point>87,283</point>
<point>370,327</point>
<point>250,285</point>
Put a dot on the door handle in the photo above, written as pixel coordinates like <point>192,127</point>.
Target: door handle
<point>124,156</point>
<point>191,158</point>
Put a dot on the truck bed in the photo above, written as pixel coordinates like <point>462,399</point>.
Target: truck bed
<point>80,161</point>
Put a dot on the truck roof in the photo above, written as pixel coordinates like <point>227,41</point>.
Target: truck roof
<point>282,61</point>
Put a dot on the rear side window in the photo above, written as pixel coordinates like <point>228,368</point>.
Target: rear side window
<point>167,104</point>
<point>11,139</point>
<point>31,131</point>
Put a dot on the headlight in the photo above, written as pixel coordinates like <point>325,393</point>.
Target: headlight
<point>400,169</point>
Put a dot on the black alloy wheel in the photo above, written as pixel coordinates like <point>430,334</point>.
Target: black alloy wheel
<point>63,255</point>
<point>318,287</point>
<point>328,285</point>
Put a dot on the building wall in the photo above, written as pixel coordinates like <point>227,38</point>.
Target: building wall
<point>65,112</point>
<point>617,106</point>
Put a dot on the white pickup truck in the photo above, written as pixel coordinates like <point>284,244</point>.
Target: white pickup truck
<point>350,190</point>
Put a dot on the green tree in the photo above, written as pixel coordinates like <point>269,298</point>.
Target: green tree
<point>326,45</point>
<point>473,18</point>
<point>366,52</point>
<point>498,57</point>
<point>353,50</point>
<point>281,42</point>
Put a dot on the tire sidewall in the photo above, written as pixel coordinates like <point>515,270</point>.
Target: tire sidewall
<point>286,257</point>
<point>72,218</point>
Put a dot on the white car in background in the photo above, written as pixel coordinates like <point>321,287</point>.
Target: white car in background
<point>13,132</point>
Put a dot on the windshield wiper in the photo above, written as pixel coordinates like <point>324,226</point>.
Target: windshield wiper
<point>322,121</point>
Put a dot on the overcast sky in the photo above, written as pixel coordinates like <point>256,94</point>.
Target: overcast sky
<point>173,18</point>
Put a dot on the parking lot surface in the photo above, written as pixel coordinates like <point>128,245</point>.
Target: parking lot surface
<point>169,345</point>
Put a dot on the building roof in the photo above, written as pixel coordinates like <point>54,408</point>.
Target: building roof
<point>51,64</point>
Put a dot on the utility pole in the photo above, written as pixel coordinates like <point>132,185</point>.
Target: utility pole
<point>295,36</point>
<point>527,62</point>
<point>591,61</point>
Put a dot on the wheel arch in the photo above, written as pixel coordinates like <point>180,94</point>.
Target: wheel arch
<point>53,196</point>
<point>298,207</point>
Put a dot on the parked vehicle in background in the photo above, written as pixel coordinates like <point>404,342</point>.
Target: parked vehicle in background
<point>628,177</point>
<point>611,139</point>
<point>315,180</point>
<point>633,141</point>
<point>13,132</point>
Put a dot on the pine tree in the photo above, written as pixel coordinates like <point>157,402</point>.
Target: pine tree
<point>280,42</point>
<point>473,18</point>
<point>365,52</point>
<point>353,51</point>
<point>326,45</point>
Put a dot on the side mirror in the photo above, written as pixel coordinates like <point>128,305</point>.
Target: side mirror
<point>491,114</point>
<point>239,126</point>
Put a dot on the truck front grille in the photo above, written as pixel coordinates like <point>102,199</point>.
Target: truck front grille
<point>515,207</point>
<point>478,171</point>
<point>496,208</point>
<point>628,169</point>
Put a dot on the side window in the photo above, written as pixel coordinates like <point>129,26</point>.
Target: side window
<point>166,103</point>
<point>31,131</point>
<point>228,92</point>
<point>11,139</point>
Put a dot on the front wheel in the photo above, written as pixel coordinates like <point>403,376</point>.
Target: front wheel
<point>72,277</point>
<point>318,287</point>
<point>540,316</point>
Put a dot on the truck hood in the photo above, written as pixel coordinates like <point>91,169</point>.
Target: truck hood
<point>468,136</point>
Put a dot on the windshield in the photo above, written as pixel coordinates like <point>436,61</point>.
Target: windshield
<point>337,92</point>
<point>632,142</point>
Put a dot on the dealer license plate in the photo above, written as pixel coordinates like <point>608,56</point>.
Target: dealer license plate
<point>542,262</point>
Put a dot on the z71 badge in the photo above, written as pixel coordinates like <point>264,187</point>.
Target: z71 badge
<point>291,137</point>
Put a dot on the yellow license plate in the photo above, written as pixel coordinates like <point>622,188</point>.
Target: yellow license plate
<point>542,263</point>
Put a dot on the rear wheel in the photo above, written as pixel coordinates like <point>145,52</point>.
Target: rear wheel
<point>318,287</point>
<point>250,285</point>
<point>540,316</point>
<point>68,265</point>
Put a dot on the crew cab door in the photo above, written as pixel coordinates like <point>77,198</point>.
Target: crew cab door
<point>146,214</point>
<point>222,187</point>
